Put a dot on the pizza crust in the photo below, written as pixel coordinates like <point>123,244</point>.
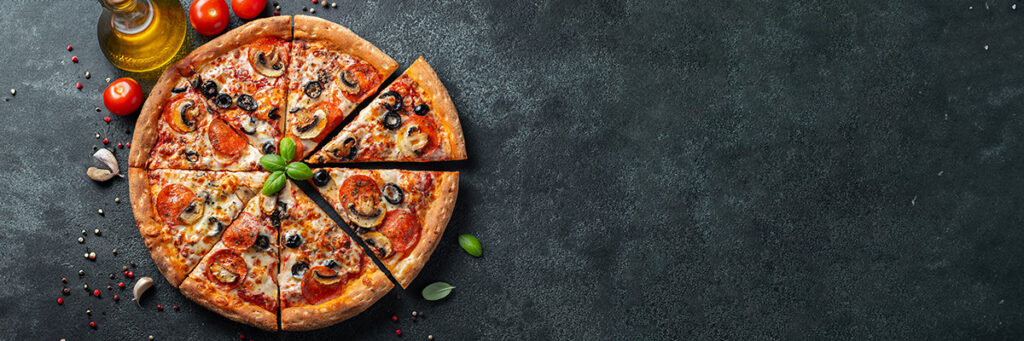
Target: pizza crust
<point>231,306</point>
<point>343,40</point>
<point>278,26</point>
<point>426,78</point>
<point>147,127</point>
<point>371,287</point>
<point>434,223</point>
<point>151,229</point>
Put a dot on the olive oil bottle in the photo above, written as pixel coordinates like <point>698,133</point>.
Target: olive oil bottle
<point>142,35</point>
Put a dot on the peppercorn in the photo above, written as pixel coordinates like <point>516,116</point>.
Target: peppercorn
<point>63,279</point>
<point>92,324</point>
<point>96,292</point>
<point>74,59</point>
<point>106,141</point>
<point>69,47</point>
<point>106,119</point>
<point>398,332</point>
<point>116,298</point>
<point>78,85</point>
<point>81,272</point>
<point>66,291</point>
<point>60,300</point>
<point>120,285</point>
<point>160,307</point>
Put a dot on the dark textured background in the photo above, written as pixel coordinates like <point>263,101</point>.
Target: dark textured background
<point>638,169</point>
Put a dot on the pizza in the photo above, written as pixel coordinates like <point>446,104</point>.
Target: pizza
<point>277,261</point>
<point>412,120</point>
<point>399,214</point>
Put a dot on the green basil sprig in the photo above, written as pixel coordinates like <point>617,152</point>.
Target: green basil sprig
<point>282,168</point>
<point>436,291</point>
<point>471,245</point>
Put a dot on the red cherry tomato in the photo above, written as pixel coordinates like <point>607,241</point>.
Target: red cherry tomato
<point>209,17</point>
<point>248,9</point>
<point>123,96</point>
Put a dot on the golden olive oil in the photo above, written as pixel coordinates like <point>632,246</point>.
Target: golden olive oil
<point>142,35</point>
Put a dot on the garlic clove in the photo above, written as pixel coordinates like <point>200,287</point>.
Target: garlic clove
<point>140,288</point>
<point>98,174</point>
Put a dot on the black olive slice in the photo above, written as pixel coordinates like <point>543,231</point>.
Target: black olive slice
<point>313,89</point>
<point>209,89</point>
<point>247,103</point>
<point>299,269</point>
<point>191,156</point>
<point>347,151</point>
<point>323,77</point>
<point>395,104</point>
<point>249,126</point>
<point>272,114</point>
<point>422,109</point>
<point>311,125</point>
<point>321,177</point>
<point>268,147</point>
<point>293,241</point>
<point>223,101</point>
<point>262,242</point>
<point>393,194</point>
<point>210,111</point>
<point>391,120</point>
<point>178,90</point>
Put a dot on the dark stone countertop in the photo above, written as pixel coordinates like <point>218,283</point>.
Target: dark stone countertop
<point>638,170</point>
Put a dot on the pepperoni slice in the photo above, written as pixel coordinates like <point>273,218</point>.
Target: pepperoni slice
<point>172,200</point>
<point>226,269</point>
<point>242,233</point>
<point>402,228</point>
<point>321,284</point>
<point>226,140</point>
<point>359,188</point>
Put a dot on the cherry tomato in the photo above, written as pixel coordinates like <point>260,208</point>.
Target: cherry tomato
<point>123,96</point>
<point>248,9</point>
<point>209,17</point>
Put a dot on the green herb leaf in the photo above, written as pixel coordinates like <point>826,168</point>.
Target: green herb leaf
<point>287,148</point>
<point>273,162</point>
<point>299,171</point>
<point>437,290</point>
<point>471,245</point>
<point>275,182</point>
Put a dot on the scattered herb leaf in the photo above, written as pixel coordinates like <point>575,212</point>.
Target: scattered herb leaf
<point>471,245</point>
<point>273,162</point>
<point>437,290</point>
<point>275,182</point>
<point>287,149</point>
<point>299,171</point>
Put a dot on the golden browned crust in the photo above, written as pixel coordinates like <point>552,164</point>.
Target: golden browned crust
<point>368,289</point>
<point>147,127</point>
<point>434,224</point>
<point>424,75</point>
<point>277,26</point>
<point>160,246</point>
<point>231,306</point>
<point>343,40</point>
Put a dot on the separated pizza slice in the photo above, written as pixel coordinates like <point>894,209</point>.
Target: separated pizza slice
<point>401,215</point>
<point>238,277</point>
<point>177,129</point>
<point>325,277</point>
<point>332,71</point>
<point>412,120</point>
<point>241,75</point>
<point>182,213</point>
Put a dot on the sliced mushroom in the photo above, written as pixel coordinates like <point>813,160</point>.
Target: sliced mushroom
<point>347,150</point>
<point>216,226</point>
<point>325,275</point>
<point>245,193</point>
<point>411,140</point>
<point>222,273</point>
<point>188,114</point>
<point>268,204</point>
<point>378,243</point>
<point>312,126</point>
<point>393,194</point>
<point>194,210</point>
<point>366,213</point>
<point>249,126</point>
<point>349,83</point>
<point>267,64</point>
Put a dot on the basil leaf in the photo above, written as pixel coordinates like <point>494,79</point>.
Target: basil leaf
<point>470,244</point>
<point>275,182</point>
<point>437,290</point>
<point>273,162</point>
<point>287,148</point>
<point>299,171</point>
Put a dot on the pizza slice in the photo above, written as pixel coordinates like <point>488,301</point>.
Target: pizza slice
<point>178,129</point>
<point>242,76</point>
<point>412,120</point>
<point>332,71</point>
<point>182,213</point>
<point>325,277</point>
<point>238,277</point>
<point>401,215</point>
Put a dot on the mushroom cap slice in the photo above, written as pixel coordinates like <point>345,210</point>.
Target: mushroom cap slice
<point>411,140</point>
<point>310,127</point>
<point>380,244</point>
<point>267,63</point>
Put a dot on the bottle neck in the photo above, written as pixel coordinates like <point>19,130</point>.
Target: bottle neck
<point>129,16</point>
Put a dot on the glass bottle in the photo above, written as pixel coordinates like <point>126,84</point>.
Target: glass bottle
<point>142,35</point>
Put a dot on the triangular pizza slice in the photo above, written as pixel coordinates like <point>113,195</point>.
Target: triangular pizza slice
<point>242,76</point>
<point>400,214</point>
<point>325,277</point>
<point>182,213</point>
<point>238,278</point>
<point>332,71</point>
<point>178,129</point>
<point>413,119</point>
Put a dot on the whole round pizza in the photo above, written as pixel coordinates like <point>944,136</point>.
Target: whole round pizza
<point>283,85</point>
